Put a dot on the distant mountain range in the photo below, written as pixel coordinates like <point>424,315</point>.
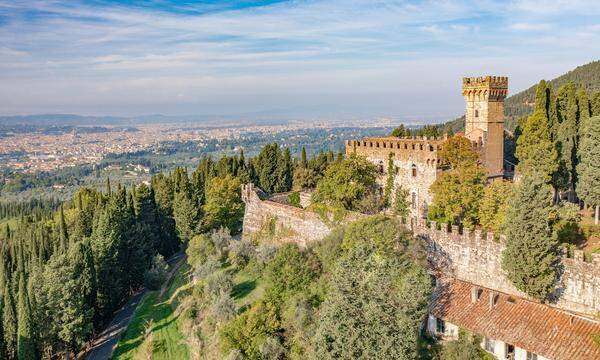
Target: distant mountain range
<point>521,104</point>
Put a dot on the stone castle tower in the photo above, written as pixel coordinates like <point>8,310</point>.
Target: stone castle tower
<point>484,119</point>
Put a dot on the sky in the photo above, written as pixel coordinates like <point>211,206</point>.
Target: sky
<point>313,59</point>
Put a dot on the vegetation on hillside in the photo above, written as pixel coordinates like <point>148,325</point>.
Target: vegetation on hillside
<point>304,296</point>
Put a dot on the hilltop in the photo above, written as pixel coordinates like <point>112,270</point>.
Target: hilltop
<point>521,104</point>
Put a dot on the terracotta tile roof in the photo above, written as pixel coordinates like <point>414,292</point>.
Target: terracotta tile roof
<point>544,330</point>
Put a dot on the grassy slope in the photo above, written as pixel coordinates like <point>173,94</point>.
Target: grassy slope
<point>168,342</point>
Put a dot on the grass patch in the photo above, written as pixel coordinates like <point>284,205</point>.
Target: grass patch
<point>164,339</point>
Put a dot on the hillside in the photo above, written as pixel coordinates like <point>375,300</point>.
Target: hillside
<point>516,106</point>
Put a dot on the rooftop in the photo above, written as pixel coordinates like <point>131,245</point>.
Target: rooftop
<point>544,330</point>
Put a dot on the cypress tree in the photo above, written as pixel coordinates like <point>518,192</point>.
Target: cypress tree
<point>535,150</point>
<point>63,234</point>
<point>531,251</point>
<point>25,339</point>
<point>9,323</point>
<point>595,104</point>
<point>566,138</point>
<point>303,160</point>
<point>108,188</point>
<point>284,172</point>
<point>588,169</point>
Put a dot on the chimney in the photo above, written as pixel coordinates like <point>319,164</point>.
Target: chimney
<point>475,294</point>
<point>493,299</point>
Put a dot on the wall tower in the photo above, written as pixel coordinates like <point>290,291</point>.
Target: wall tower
<point>484,118</point>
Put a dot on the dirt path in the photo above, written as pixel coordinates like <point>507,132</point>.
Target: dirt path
<point>104,345</point>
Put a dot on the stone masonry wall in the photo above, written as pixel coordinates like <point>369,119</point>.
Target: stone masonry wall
<point>468,256</point>
<point>477,259</point>
<point>280,223</point>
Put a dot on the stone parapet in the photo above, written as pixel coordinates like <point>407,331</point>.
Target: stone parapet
<point>477,258</point>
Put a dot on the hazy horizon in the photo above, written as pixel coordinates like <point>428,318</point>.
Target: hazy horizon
<point>312,59</point>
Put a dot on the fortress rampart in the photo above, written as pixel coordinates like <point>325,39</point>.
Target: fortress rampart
<point>469,256</point>
<point>475,258</point>
<point>275,222</point>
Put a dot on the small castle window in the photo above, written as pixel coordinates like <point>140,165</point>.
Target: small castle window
<point>413,170</point>
<point>476,113</point>
<point>405,146</point>
<point>421,147</point>
<point>413,146</point>
<point>397,145</point>
<point>377,143</point>
<point>385,145</point>
<point>440,326</point>
<point>430,148</point>
<point>413,199</point>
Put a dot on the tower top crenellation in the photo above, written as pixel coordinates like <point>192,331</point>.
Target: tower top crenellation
<point>485,82</point>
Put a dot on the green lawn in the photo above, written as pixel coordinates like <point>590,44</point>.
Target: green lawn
<point>167,341</point>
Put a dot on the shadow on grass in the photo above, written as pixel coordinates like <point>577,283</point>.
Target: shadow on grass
<point>242,289</point>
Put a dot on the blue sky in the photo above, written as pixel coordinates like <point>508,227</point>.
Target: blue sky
<point>328,58</point>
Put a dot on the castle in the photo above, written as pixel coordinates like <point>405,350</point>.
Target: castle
<point>472,290</point>
<point>416,160</point>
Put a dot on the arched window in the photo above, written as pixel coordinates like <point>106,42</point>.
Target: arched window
<point>476,113</point>
<point>413,170</point>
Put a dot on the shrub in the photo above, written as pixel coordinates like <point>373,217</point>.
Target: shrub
<point>223,308</point>
<point>248,331</point>
<point>240,252</point>
<point>294,199</point>
<point>221,239</point>
<point>210,266</point>
<point>156,275</point>
<point>272,349</point>
<point>291,270</point>
<point>200,248</point>
<point>265,252</point>
<point>218,283</point>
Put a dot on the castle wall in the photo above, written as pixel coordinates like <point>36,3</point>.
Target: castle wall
<point>271,222</point>
<point>477,259</point>
<point>419,154</point>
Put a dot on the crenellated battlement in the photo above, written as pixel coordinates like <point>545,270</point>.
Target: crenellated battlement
<point>485,88</point>
<point>419,149</point>
<point>477,258</point>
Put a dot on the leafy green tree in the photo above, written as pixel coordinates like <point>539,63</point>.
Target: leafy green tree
<point>248,331</point>
<point>401,131</point>
<point>457,192</point>
<point>303,159</point>
<point>291,270</point>
<point>588,169</point>
<point>535,150</point>
<point>67,294</point>
<point>376,294</point>
<point>186,214</point>
<point>493,207</point>
<point>566,138</point>
<point>224,206</point>
<point>267,165</point>
<point>25,333</point>
<point>401,204</point>
<point>531,251</point>
<point>595,104</point>
<point>9,322</point>
<point>284,172</point>
<point>199,249</point>
<point>346,182</point>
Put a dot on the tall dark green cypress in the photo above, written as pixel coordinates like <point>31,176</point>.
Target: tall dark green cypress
<point>62,229</point>
<point>303,159</point>
<point>25,335</point>
<point>531,253</point>
<point>9,323</point>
